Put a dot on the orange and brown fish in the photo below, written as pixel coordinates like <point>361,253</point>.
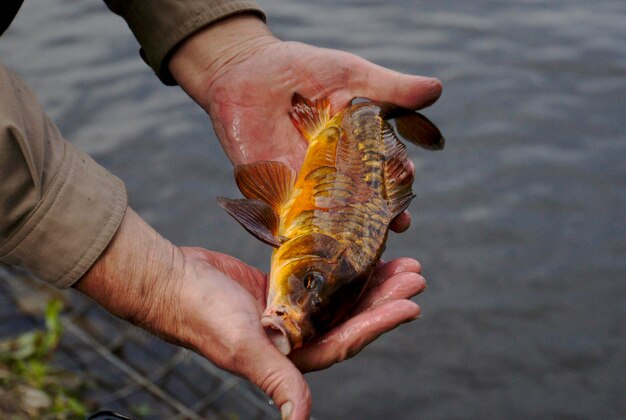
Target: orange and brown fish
<point>329,223</point>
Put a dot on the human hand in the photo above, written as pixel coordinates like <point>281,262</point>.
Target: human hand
<point>245,78</point>
<point>212,303</point>
<point>224,300</point>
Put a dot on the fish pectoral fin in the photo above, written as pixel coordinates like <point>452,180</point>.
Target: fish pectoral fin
<point>268,181</point>
<point>256,216</point>
<point>309,117</point>
<point>398,173</point>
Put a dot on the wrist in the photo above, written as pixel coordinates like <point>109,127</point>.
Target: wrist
<point>206,54</point>
<point>136,275</point>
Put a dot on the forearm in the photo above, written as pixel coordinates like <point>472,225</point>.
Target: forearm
<point>135,277</point>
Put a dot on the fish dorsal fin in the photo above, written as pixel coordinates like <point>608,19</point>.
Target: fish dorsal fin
<point>309,117</point>
<point>398,173</point>
<point>414,127</point>
<point>268,181</point>
<point>256,216</point>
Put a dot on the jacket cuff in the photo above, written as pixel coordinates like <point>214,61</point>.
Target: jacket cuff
<point>72,224</point>
<point>161,25</point>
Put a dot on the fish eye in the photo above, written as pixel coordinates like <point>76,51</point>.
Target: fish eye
<point>312,280</point>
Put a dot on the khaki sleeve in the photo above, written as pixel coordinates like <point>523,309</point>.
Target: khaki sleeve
<point>58,208</point>
<point>160,25</point>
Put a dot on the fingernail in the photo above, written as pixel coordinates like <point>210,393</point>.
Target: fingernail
<point>285,410</point>
<point>423,289</point>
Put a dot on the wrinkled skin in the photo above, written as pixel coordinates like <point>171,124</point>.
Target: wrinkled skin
<point>212,303</point>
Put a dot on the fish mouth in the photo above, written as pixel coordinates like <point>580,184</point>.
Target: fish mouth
<point>282,328</point>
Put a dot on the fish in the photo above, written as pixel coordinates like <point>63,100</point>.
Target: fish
<point>328,223</point>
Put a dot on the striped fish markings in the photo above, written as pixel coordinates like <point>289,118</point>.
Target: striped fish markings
<point>329,223</point>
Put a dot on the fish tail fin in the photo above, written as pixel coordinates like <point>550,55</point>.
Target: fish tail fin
<point>414,127</point>
<point>309,117</point>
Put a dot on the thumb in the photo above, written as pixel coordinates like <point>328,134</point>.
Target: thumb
<point>384,85</point>
<point>277,376</point>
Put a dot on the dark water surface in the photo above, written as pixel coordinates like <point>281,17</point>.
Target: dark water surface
<point>520,223</point>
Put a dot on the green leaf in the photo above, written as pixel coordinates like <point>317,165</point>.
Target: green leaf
<point>53,324</point>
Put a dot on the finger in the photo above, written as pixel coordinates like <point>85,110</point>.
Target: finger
<point>399,265</point>
<point>277,376</point>
<point>381,84</point>
<point>400,286</point>
<point>401,222</point>
<point>349,338</point>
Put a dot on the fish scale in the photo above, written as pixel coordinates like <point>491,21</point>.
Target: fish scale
<point>361,222</point>
<point>373,211</point>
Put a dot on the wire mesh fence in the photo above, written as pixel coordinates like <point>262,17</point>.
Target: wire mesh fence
<point>123,368</point>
